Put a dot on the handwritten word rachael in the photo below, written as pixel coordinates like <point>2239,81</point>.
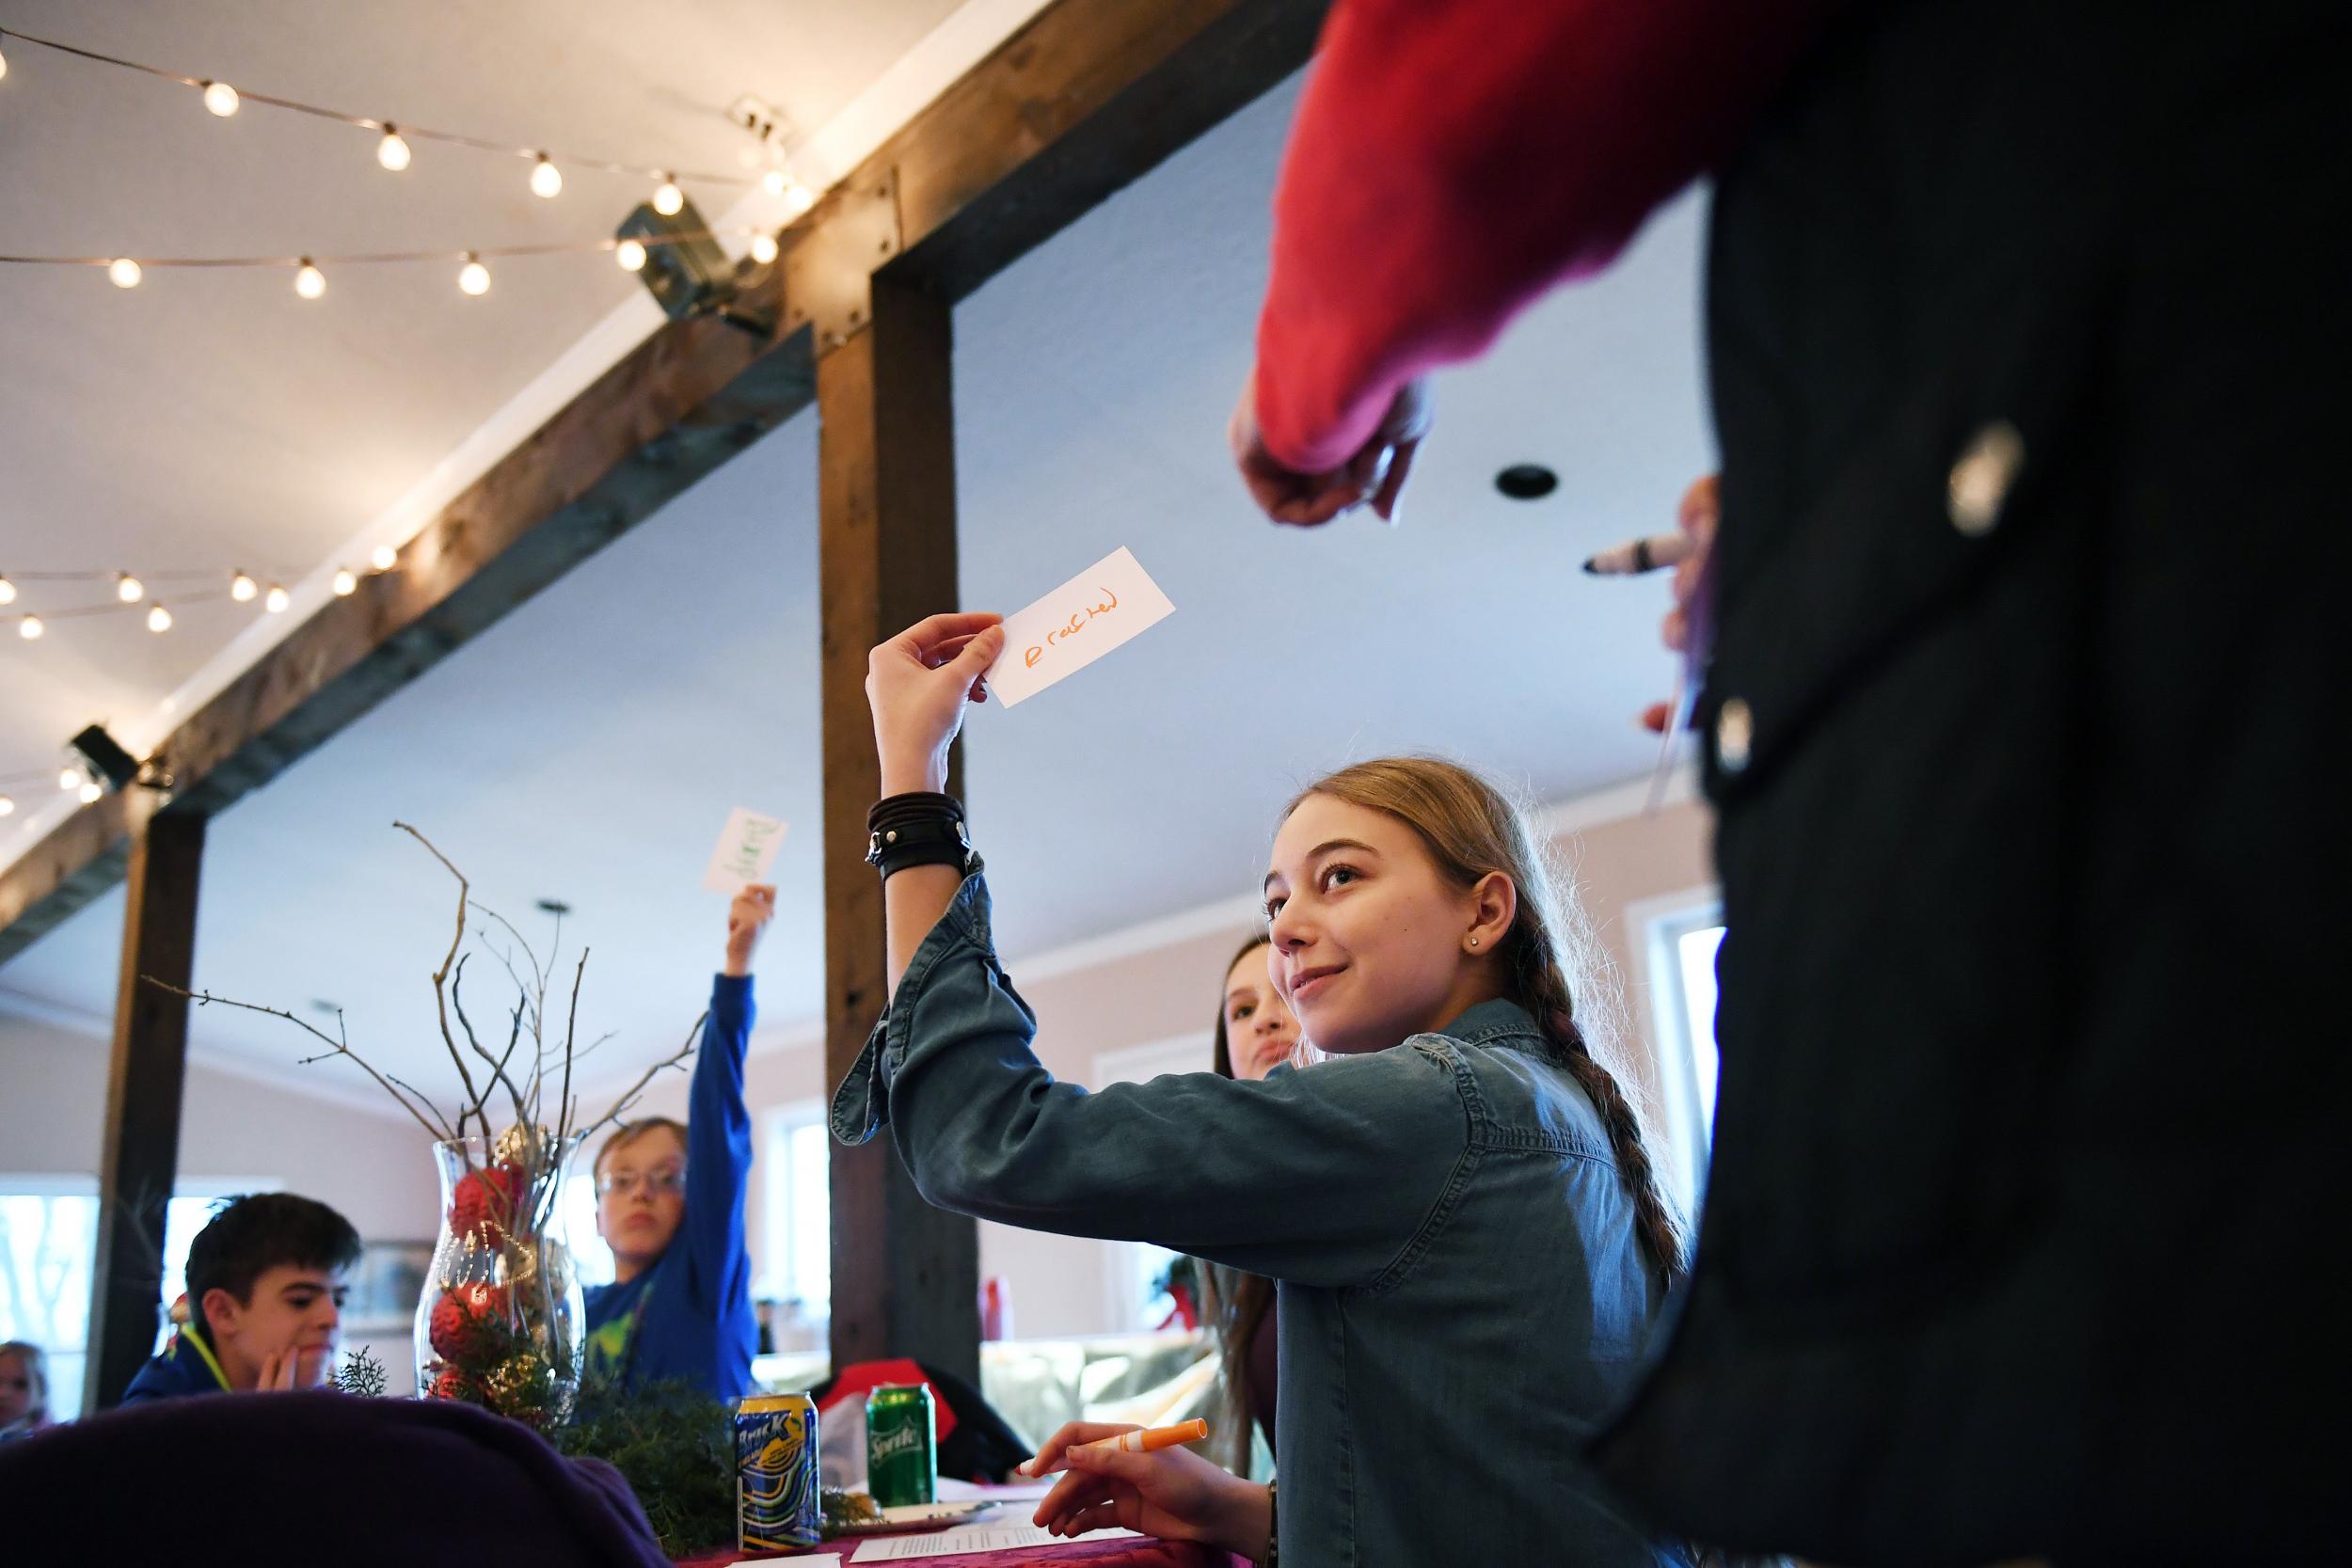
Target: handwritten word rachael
<point>1100,609</point>
<point>1078,623</point>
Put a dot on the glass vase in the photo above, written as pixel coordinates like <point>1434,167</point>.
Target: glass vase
<point>500,1322</point>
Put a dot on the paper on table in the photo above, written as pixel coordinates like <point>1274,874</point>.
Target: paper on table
<point>950,1490</point>
<point>970,1538</point>
<point>746,849</point>
<point>1076,624</point>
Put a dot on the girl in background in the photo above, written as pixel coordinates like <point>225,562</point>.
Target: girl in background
<point>1255,1034</point>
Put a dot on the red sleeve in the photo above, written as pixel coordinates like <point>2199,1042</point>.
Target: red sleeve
<point>1453,159</point>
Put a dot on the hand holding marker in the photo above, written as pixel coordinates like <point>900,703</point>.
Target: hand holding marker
<point>1642,555</point>
<point>1152,1439</point>
<point>1689,628</point>
<point>1139,1440</point>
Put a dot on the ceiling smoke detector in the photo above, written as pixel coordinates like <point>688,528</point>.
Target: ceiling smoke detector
<point>1526,481</point>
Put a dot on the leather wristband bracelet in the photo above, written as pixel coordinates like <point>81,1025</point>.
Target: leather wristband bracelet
<point>917,830</point>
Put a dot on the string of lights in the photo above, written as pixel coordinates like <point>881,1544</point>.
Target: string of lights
<point>473,275</point>
<point>130,592</point>
<point>74,778</point>
<point>392,151</point>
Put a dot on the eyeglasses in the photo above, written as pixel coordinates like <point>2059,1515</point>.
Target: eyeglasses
<point>671,1181</point>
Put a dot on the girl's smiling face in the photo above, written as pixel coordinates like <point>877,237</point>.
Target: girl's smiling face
<point>1260,1031</point>
<point>1372,944</point>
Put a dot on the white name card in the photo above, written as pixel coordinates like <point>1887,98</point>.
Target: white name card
<point>1067,629</point>
<point>973,1539</point>
<point>746,850</point>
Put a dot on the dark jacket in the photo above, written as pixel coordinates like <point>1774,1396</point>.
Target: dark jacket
<point>185,1367</point>
<point>2027,339</point>
<point>292,1480</point>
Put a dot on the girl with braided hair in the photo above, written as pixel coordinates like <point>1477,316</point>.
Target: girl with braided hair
<point>1469,1243</point>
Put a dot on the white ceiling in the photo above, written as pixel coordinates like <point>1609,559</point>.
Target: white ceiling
<point>210,419</point>
<point>589,747</point>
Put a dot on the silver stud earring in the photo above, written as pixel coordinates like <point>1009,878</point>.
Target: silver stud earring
<point>1473,941</point>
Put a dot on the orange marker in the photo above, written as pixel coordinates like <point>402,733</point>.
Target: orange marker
<point>1152,1439</point>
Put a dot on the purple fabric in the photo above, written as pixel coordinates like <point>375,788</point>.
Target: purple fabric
<point>263,1479</point>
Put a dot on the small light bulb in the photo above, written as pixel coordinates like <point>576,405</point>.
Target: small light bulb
<point>241,587</point>
<point>474,278</point>
<point>667,198</point>
<point>763,248</point>
<point>7,807</point>
<point>276,600</point>
<point>774,182</point>
<point>124,272</point>
<point>220,98</point>
<point>91,792</point>
<point>344,582</point>
<point>392,151</point>
<point>29,627</point>
<point>4,66</point>
<point>71,780</point>
<point>158,618</point>
<point>128,589</point>
<point>546,179</point>
<point>631,254</point>
<point>8,592</point>
<point>385,558</point>
<point>309,282</point>
<point>799,199</point>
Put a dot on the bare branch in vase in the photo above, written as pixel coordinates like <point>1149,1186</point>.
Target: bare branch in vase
<point>335,1047</point>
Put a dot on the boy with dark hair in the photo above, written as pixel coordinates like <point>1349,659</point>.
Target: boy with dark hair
<point>670,1205</point>
<point>265,1297</point>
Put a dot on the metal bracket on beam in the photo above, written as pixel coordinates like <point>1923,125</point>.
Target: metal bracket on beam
<point>828,276</point>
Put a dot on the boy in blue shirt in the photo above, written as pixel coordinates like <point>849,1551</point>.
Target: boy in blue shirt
<point>670,1205</point>
<point>265,1299</point>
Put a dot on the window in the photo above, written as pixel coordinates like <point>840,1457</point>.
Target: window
<point>576,1226</point>
<point>1684,931</point>
<point>1695,961</point>
<point>1136,1301</point>
<point>48,1262</point>
<point>799,1214</point>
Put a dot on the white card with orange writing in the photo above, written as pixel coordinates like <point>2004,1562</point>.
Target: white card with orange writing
<point>746,849</point>
<point>1076,624</point>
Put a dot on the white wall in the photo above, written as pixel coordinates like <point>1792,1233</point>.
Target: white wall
<point>375,1168</point>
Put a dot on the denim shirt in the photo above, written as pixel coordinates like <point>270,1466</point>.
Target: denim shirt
<point>1463,1296</point>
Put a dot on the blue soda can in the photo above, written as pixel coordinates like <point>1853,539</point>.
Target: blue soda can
<point>777,1504</point>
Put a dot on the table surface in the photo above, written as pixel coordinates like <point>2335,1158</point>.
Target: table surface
<point>1118,1552</point>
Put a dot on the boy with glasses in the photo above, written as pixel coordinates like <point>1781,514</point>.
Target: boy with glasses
<point>670,1205</point>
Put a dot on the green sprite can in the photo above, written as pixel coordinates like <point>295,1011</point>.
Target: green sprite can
<point>901,1445</point>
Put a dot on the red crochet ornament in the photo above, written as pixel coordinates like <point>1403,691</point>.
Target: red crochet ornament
<point>458,1316</point>
<point>485,1197</point>
<point>450,1384</point>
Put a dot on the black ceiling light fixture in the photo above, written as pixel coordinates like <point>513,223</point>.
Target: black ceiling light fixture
<point>681,265</point>
<point>109,761</point>
<point>1526,481</point>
